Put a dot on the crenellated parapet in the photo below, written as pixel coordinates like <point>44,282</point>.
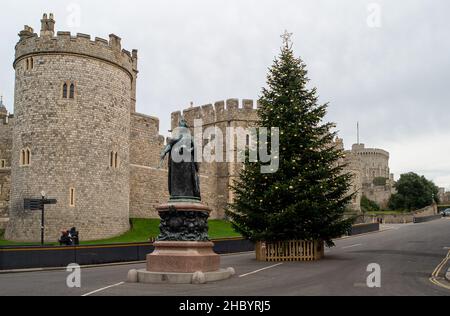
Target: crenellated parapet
<point>220,112</point>
<point>31,44</point>
<point>7,119</point>
<point>362,151</point>
<point>4,116</point>
<point>146,125</point>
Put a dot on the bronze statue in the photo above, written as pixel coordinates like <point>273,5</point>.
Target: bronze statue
<point>183,179</point>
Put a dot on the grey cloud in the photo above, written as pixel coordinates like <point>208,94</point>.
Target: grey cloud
<point>392,79</point>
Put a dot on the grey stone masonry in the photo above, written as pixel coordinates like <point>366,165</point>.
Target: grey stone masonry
<point>6,124</point>
<point>72,109</point>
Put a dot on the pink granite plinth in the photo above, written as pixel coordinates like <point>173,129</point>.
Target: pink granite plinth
<point>183,257</point>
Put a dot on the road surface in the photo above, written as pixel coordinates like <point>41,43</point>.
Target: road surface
<point>407,255</point>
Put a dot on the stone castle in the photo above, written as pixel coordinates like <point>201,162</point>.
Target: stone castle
<point>75,135</point>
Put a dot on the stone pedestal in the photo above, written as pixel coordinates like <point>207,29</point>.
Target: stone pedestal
<point>183,252</point>
<point>183,256</point>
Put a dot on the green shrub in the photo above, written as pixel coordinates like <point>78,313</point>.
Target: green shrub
<point>369,205</point>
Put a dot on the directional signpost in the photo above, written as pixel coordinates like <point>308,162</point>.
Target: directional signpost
<point>39,205</point>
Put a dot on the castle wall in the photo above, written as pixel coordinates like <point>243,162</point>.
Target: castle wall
<point>71,139</point>
<point>217,176</point>
<point>6,124</point>
<point>148,183</point>
<point>353,166</point>
<point>380,194</point>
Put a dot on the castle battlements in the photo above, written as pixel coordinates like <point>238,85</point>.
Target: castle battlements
<point>220,112</point>
<point>361,150</point>
<point>31,44</point>
<point>146,122</point>
<point>7,119</point>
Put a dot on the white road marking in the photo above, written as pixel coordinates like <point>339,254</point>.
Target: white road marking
<point>391,227</point>
<point>446,248</point>
<point>250,273</point>
<point>103,288</point>
<point>352,246</point>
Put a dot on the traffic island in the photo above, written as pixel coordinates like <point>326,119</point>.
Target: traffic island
<point>183,253</point>
<point>148,277</point>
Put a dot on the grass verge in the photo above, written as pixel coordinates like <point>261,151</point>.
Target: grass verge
<point>141,231</point>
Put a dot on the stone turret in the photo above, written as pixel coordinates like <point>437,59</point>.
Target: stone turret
<point>375,162</point>
<point>3,110</point>
<point>47,25</point>
<point>5,162</point>
<point>71,133</point>
<point>27,32</point>
<point>134,56</point>
<point>374,165</point>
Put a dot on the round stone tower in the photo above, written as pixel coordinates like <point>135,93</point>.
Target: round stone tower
<point>73,98</point>
<point>374,163</point>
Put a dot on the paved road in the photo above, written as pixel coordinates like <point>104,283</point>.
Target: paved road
<point>407,254</point>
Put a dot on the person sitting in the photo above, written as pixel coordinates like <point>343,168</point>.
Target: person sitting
<point>73,234</point>
<point>65,240</point>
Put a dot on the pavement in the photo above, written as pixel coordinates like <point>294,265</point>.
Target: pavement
<point>412,258</point>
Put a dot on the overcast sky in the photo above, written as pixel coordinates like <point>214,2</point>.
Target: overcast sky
<point>382,63</point>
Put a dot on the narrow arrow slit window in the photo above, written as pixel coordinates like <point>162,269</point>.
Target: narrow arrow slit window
<point>72,197</point>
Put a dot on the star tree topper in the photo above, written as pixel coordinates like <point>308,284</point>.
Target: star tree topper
<point>287,41</point>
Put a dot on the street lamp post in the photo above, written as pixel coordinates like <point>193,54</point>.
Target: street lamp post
<point>43,195</point>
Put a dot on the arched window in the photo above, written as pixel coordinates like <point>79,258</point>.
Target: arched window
<point>65,91</point>
<point>25,157</point>
<point>27,64</point>
<point>111,159</point>
<point>31,63</point>
<point>28,157</point>
<point>22,157</point>
<point>116,160</point>
<point>2,164</point>
<point>72,91</point>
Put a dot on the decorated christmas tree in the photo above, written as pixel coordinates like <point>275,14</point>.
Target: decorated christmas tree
<point>305,199</point>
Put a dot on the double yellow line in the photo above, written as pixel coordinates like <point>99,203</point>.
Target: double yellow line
<point>435,276</point>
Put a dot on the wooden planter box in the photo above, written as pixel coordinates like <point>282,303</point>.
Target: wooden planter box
<point>293,250</point>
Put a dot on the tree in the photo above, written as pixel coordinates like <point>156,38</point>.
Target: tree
<point>308,195</point>
<point>413,192</point>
